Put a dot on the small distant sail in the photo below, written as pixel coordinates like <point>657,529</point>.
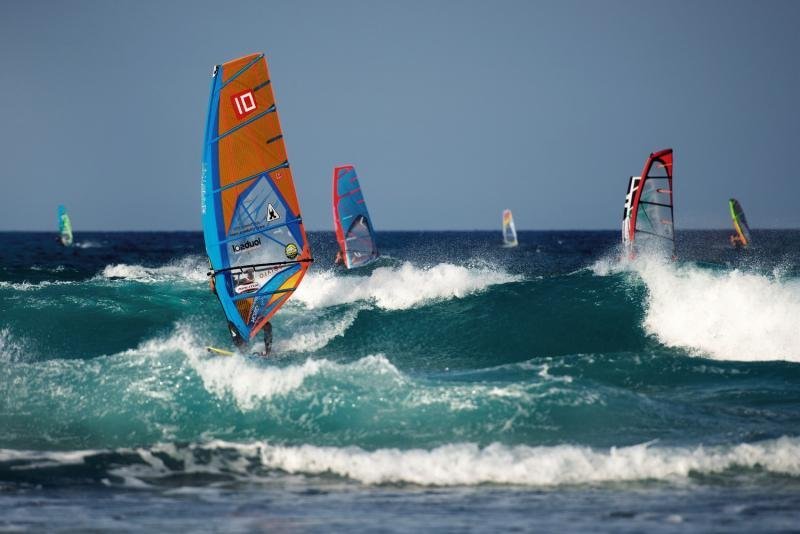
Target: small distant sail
<point>354,232</point>
<point>254,234</point>
<point>64,226</point>
<point>509,230</point>
<point>739,224</point>
<point>647,219</point>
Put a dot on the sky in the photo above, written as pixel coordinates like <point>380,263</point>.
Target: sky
<point>451,111</point>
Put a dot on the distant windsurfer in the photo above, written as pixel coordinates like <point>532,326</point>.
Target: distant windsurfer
<point>737,241</point>
<point>339,260</point>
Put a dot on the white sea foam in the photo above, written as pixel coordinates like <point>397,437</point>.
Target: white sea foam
<point>398,288</point>
<point>28,286</point>
<point>10,348</point>
<point>314,336</point>
<point>56,269</point>
<point>732,315</point>
<point>87,244</point>
<point>459,464</point>
<point>182,340</point>
<point>188,269</point>
<point>249,384</point>
<point>468,464</point>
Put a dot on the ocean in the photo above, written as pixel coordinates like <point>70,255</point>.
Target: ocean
<point>454,385</point>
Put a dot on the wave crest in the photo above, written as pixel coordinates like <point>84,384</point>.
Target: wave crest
<point>188,269</point>
<point>730,315</point>
<point>468,464</point>
<point>458,464</point>
<point>398,288</point>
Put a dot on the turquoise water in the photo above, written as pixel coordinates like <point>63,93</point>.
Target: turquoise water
<point>454,384</point>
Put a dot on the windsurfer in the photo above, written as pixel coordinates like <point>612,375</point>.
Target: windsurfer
<point>737,241</point>
<point>339,260</point>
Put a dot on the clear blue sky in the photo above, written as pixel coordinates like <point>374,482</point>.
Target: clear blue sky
<point>451,111</point>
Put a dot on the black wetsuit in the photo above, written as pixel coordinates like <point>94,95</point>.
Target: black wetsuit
<point>267,338</point>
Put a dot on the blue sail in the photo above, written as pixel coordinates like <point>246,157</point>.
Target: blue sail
<point>354,232</point>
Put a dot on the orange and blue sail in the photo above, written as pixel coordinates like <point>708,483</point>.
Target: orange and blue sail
<point>647,219</point>
<point>354,231</point>
<point>253,230</point>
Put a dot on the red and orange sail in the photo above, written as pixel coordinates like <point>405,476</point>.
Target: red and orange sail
<point>647,220</point>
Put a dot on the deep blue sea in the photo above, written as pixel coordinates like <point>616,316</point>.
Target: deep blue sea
<point>454,385</point>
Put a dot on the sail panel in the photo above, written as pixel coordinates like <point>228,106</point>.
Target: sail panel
<point>254,234</point>
<point>354,232</point>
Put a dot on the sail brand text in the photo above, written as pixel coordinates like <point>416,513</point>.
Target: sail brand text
<point>241,247</point>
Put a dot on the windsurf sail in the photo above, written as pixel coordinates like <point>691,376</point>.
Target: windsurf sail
<point>739,222</point>
<point>647,219</point>
<point>254,234</point>
<point>509,230</point>
<point>64,226</point>
<point>351,219</point>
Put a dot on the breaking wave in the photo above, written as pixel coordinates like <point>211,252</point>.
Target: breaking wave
<point>459,464</point>
<point>189,269</point>
<point>398,288</point>
<point>726,315</point>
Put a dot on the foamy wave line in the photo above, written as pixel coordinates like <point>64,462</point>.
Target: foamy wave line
<point>318,334</point>
<point>462,464</point>
<point>468,464</point>
<point>398,288</point>
<point>88,244</point>
<point>189,269</point>
<point>28,286</point>
<point>248,381</point>
<point>250,384</point>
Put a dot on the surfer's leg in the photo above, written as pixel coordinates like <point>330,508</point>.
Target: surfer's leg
<point>267,338</point>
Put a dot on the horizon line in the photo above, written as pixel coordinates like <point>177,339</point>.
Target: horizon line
<point>55,231</point>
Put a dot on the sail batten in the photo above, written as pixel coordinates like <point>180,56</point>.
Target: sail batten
<point>354,231</point>
<point>254,234</point>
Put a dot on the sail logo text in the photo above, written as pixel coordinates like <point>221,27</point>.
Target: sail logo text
<point>247,245</point>
<point>244,103</point>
